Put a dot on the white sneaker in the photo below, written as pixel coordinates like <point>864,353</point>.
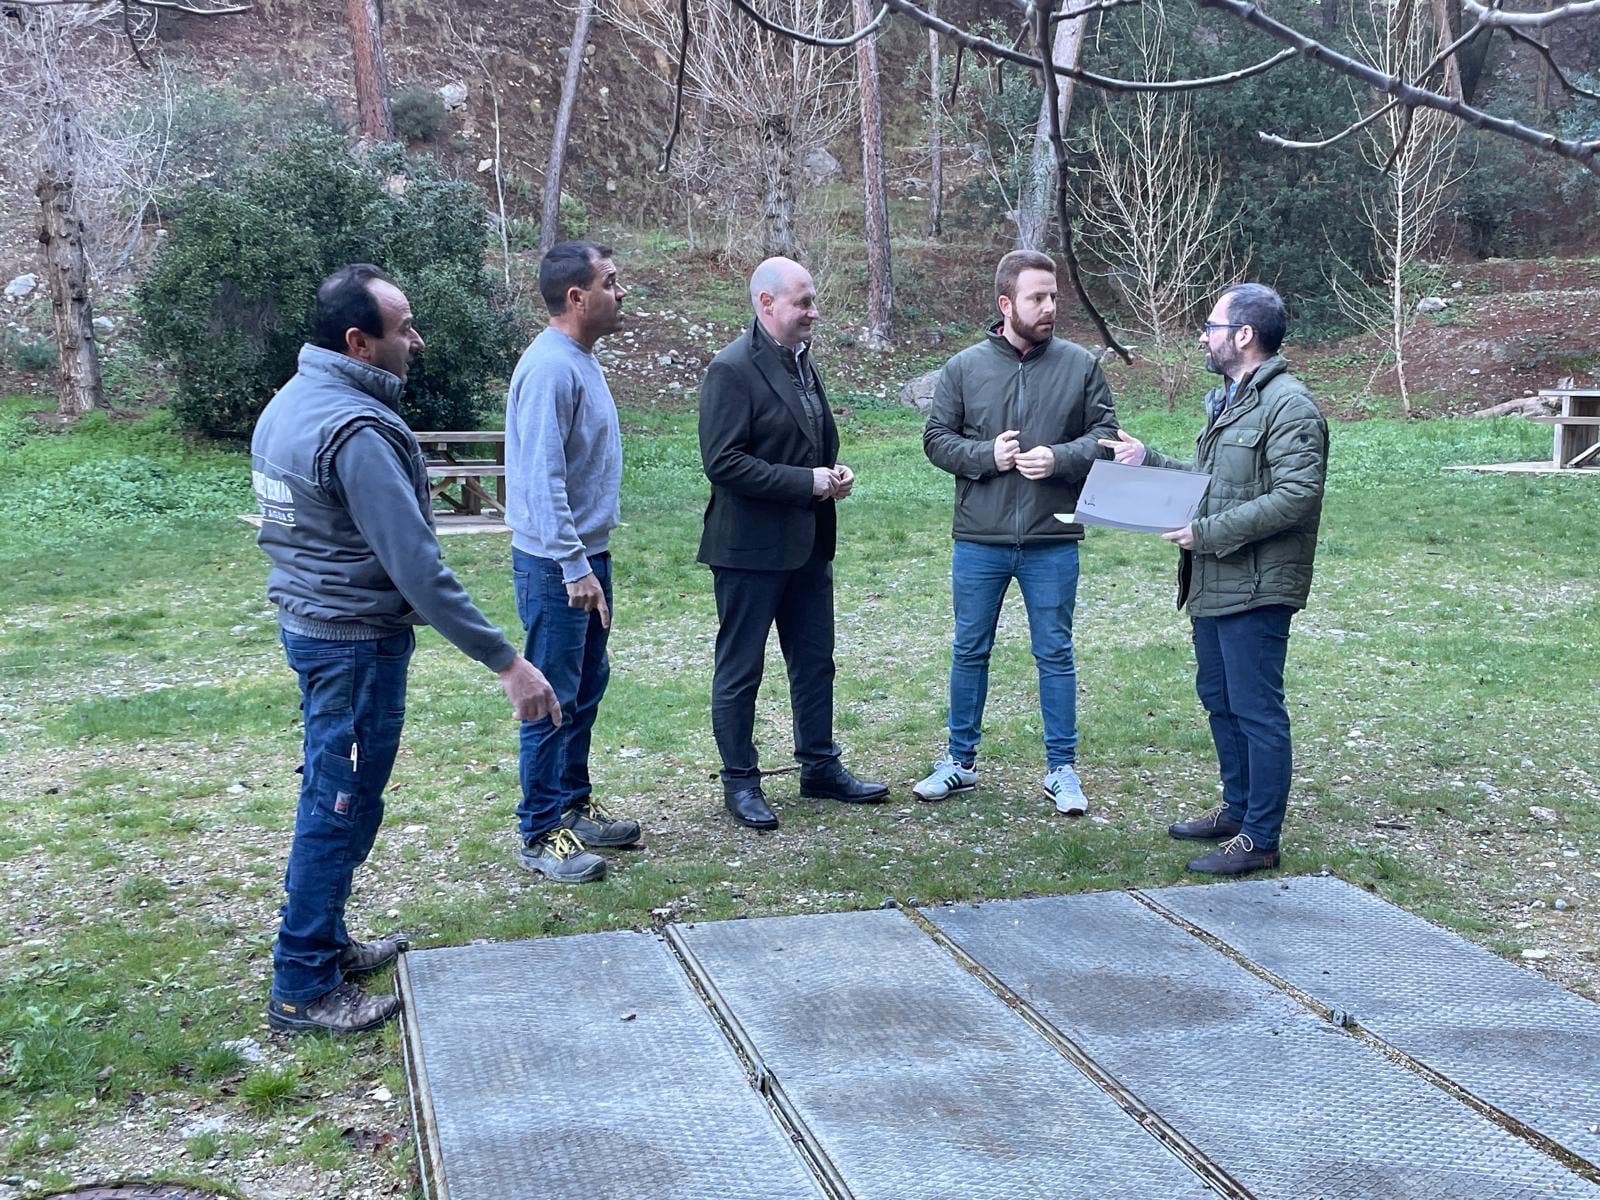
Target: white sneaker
<point>1062,786</point>
<point>946,779</point>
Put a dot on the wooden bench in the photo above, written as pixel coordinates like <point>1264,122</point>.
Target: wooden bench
<point>1577,427</point>
<point>458,469</point>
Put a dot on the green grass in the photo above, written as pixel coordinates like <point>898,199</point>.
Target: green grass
<point>150,734</point>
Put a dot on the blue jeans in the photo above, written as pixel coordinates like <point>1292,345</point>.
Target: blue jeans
<point>569,646</point>
<point>353,697</point>
<point>1047,573</point>
<point>1239,676</point>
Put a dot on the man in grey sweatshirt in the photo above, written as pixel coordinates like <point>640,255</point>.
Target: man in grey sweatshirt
<point>563,486</point>
<point>347,521</point>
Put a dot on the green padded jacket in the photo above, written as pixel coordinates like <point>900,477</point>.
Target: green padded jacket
<point>1255,532</point>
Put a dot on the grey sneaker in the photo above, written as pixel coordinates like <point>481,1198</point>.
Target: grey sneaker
<point>346,1009</point>
<point>1062,786</point>
<point>362,958</point>
<point>946,779</point>
<point>560,857</point>
<point>594,826</point>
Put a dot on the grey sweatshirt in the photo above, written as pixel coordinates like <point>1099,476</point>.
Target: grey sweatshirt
<point>563,455</point>
<point>346,518</point>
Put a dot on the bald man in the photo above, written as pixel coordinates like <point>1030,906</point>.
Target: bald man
<point>769,447</point>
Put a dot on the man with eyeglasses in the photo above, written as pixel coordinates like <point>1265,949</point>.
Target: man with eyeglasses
<point>1244,567</point>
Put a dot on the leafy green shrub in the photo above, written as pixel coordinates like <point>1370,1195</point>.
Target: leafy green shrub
<point>418,114</point>
<point>33,355</point>
<point>227,303</point>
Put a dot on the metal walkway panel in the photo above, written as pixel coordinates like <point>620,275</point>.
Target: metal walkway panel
<point>1290,1106</point>
<point>1519,1042</point>
<point>917,1081</point>
<point>582,1067</point>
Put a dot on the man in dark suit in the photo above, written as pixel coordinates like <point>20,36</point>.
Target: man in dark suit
<point>768,444</point>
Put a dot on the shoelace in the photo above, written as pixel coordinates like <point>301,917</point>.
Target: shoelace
<point>1239,844</point>
<point>595,811</point>
<point>564,844</point>
<point>1215,815</point>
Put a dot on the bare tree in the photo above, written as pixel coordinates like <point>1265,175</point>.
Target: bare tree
<point>1415,153</point>
<point>1039,21</point>
<point>550,221</point>
<point>760,100</point>
<point>374,117</point>
<point>874,190</point>
<point>1150,200</point>
<point>933,226</point>
<point>66,67</point>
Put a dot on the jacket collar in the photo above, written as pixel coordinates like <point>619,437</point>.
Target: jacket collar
<point>997,338</point>
<point>329,365</point>
<point>1249,390</point>
<point>764,353</point>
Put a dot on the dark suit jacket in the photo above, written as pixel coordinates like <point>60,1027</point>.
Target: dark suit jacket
<point>757,450</point>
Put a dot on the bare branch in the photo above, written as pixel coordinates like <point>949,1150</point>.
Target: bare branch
<point>1550,60</point>
<point>983,45</point>
<point>1407,94</point>
<point>1562,12</point>
<point>1447,52</point>
<point>1085,10</point>
<point>193,10</point>
<point>955,74</point>
<point>826,43</point>
<point>1047,72</point>
<point>677,91</point>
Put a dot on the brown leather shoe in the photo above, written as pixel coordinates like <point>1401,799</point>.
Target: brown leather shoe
<point>363,958</point>
<point>346,1009</point>
<point>1213,826</point>
<point>1238,857</point>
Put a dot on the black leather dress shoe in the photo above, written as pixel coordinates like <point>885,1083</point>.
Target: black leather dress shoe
<point>749,807</point>
<point>836,783</point>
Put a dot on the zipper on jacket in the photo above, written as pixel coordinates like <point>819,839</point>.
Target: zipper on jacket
<point>1022,404</point>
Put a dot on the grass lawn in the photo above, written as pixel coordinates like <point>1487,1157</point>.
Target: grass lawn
<point>1443,685</point>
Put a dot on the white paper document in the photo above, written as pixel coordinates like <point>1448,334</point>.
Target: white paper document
<point>1143,499</point>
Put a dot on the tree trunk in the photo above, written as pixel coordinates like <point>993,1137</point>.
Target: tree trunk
<point>1447,23</point>
<point>550,223</point>
<point>1033,210</point>
<point>880,276</point>
<point>777,213</point>
<point>66,270</point>
<point>933,226</point>
<point>365,19</point>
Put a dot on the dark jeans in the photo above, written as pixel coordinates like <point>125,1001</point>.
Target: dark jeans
<point>749,603</point>
<point>1047,573</point>
<point>353,697</point>
<point>1239,677</point>
<point>569,646</point>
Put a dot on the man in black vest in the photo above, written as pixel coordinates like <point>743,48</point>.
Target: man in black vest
<point>768,444</point>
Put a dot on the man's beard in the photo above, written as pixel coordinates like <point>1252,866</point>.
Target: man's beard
<point>1032,333</point>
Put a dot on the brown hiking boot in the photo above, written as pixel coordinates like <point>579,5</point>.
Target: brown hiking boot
<point>363,958</point>
<point>346,1009</point>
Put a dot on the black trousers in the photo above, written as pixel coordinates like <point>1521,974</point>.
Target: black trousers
<point>749,603</point>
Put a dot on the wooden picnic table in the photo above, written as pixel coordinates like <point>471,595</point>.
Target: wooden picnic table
<point>1577,427</point>
<point>458,467</point>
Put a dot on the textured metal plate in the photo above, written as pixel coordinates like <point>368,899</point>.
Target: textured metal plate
<point>1517,1041</point>
<point>541,1083</point>
<point>916,1080</point>
<point>1288,1105</point>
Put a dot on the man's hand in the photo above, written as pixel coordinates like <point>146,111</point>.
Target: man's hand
<point>844,479</point>
<point>1184,537</point>
<point>824,483</point>
<point>587,594</point>
<point>1038,463</point>
<point>1125,449</point>
<point>1005,450</point>
<point>530,693</point>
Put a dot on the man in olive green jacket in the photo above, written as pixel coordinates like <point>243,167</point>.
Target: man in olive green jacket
<point>1245,566</point>
<point>1017,419</point>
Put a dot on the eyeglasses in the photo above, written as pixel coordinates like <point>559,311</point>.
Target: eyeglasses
<point>1210,325</point>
